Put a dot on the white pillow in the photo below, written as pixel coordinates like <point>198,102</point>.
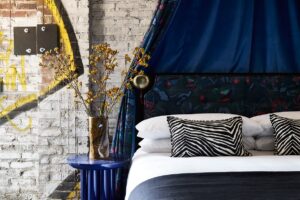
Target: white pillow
<point>156,146</point>
<point>158,128</point>
<point>264,121</point>
<point>265,143</point>
<point>249,143</point>
<point>164,145</point>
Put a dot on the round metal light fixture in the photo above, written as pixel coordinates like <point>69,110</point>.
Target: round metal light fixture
<point>141,81</point>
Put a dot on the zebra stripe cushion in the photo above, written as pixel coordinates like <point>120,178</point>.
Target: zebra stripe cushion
<point>287,135</point>
<point>191,138</point>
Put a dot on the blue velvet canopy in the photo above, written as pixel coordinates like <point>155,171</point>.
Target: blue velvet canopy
<point>261,36</point>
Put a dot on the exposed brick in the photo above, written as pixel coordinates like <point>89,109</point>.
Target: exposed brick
<point>26,5</point>
<point>5,13</point>
<point>23,13</point>
<point>5,5</point>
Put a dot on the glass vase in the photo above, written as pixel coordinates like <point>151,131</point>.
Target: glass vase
<point>98,138</point>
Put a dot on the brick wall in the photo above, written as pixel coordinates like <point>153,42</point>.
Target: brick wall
<point>32,162</point>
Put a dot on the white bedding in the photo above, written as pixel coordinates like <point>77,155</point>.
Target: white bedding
<point>150,165</point>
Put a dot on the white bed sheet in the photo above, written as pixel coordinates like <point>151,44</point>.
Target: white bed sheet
<point>150,165</point>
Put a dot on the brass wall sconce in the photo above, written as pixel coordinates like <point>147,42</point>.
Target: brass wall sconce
<point>141,81</point>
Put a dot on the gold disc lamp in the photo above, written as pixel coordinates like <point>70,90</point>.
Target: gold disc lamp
<point>141,81</point>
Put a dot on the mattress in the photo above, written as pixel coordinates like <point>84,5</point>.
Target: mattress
<point>146,166</point>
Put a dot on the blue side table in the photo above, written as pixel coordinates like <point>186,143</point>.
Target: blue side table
<point>97,177</point>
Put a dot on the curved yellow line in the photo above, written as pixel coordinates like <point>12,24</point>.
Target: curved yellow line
<point>74,193</point>
<point>65,39</point>
<point>15,126</point>
<point>62,28</point>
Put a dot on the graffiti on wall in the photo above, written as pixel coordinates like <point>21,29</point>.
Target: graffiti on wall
<point>14,74</point>
<point>11,76</point>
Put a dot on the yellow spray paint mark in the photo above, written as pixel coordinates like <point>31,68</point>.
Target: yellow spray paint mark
<point>6,55</point>
<point>74,193</point>
<point>62,28</point>
<point>11,75</point>
<point>10,72</point>
<point>14,125</point>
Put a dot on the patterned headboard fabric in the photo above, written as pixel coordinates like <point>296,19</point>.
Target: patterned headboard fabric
<point>247,95</point>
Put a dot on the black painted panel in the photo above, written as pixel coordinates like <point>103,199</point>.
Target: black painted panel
<point>47,37</point>
<point>25,40</point>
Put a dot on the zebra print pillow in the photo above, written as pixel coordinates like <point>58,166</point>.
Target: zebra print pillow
<point>287,135</point>
<point>191,138</point>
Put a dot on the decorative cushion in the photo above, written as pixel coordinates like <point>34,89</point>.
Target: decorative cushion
<point>287,135</point>
<point>191,138</point>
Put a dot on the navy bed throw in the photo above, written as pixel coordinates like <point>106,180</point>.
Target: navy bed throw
<point>221,186</point>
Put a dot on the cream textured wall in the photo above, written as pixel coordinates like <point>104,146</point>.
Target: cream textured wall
<point>32,163</point>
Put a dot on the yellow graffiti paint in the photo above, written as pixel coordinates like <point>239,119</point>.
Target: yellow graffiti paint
<point>11,73</point>
<point>65,40</point>
<point>11,77</point>
<point>6,55</point>
<point>62,28</point>
<point>73,194</point>
<point>1,37</point>
<point>15,126</point>
<point>21,101</point>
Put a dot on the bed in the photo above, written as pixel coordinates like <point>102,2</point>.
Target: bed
<point>261,176</point>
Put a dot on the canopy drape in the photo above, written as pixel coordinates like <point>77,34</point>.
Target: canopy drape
<point>261,36</point>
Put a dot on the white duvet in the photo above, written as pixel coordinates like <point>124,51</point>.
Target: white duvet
<point>150,165</point>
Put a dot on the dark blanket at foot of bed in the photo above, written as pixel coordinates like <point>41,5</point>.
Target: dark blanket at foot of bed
<point>221,186</point>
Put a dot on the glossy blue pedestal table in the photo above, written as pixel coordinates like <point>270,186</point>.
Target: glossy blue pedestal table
<point>97,177</point>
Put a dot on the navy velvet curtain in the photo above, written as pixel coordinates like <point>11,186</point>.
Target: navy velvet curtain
<point>237,36</point>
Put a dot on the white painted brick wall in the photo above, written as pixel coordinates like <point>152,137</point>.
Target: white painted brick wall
<point>33,163</point>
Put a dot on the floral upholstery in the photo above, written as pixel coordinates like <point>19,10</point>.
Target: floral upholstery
<point>247,95</point>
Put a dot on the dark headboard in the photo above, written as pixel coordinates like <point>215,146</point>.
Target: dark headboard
<point>243,94</point>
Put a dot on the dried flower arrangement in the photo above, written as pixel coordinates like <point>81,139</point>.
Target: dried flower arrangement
<point>103,63</point>
<point>104,55</point>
